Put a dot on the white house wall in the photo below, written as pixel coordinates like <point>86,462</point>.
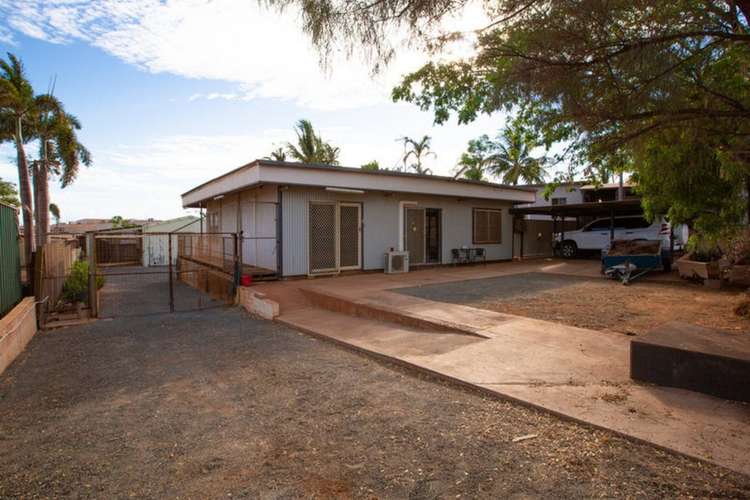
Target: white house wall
<point>380,217</point>
<point>572,195</point>
<point>253,213</point>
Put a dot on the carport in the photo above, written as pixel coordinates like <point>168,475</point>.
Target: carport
<point>561,213</point>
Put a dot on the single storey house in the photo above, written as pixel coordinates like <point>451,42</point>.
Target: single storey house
<point>298,219</point>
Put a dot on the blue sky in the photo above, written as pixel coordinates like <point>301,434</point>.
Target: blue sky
<point>172,93</point>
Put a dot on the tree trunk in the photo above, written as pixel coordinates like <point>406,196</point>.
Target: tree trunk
<point>43,207</point>
<point>24,187</point>
<point>41,202</point>
<point>35,192</point>
<point>747,194</point>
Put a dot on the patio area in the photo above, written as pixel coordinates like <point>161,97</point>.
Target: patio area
<point>578,373</point>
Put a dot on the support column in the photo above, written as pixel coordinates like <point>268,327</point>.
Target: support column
<point>93,292</point>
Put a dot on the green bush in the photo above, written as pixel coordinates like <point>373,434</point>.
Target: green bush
<point>76,287</point>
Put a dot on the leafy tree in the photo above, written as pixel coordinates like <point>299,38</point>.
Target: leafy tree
<point>371,165</point>
<point>8,193</point>
<point>418,150</point>
<point>685,178</point>
<point>17,110</point>
<point>310,147</point>
<point>606,77</point>
<point>55,211</point>
<point>474,160</point>
<point>277,154</point>
<point>118,222</point>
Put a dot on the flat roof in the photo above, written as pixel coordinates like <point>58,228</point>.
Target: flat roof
<point>290,173</point>
<point>601,208</point>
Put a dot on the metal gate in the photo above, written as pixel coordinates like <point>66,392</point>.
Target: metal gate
<point>204,273</point>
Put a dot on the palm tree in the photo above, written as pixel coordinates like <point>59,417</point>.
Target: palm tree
<point>512,158</point>
<point>60,153</point>
<point>17,107</point>
<point>55,211</point>
<point>277,154</point>
<point>310,147</point>
<point>419,150</point>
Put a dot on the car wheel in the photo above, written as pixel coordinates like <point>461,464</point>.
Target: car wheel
<point>568,249</point>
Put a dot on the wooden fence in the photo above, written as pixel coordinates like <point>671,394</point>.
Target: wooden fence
<point>55,260</point>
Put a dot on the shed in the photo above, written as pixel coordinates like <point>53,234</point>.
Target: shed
<point>156,238</point>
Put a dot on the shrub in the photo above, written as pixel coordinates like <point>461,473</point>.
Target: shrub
<point>703,248</point>
<point>738,250</point>
<point>76,287</point>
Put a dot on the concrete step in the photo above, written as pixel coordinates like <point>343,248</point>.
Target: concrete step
<point>382,311</point>
<point>368,334</point>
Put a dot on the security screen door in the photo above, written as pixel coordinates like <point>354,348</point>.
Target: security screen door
<point>335,236</point>
<point>350,253</point>
<point>323,237</point>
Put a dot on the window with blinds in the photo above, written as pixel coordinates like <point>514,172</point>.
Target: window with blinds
<point>487,226</point>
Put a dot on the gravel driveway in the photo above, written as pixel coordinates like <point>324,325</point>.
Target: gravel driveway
<point>214,403</point>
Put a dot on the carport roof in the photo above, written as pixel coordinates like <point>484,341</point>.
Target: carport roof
<point>595,209</point>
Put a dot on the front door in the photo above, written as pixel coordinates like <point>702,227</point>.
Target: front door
<point>350,236</point>
<point>415,234</point>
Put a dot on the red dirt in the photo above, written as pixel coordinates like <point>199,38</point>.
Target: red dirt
<point>605,305</point>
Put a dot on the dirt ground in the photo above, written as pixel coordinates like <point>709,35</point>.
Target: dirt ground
<point>217,404</point>
<point>598,304</point>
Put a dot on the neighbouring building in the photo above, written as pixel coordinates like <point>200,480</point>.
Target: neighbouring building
<point>297,219</point>
<point>157,238</point>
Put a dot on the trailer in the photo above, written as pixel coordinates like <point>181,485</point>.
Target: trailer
<point>628,260</point>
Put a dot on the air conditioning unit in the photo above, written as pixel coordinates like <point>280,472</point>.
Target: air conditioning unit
<point>396,262</point>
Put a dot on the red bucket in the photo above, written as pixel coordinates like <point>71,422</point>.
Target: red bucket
<point>246,280</point>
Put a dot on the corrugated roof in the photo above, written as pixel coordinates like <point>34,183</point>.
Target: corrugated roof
<point>392,173</point>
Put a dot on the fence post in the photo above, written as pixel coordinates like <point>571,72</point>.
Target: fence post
<point>236,263</point>
<point>91,255</point>
<point>171,281</point>
<point>38,284</point>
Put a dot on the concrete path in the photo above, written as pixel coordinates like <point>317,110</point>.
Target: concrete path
<point>573,372</point>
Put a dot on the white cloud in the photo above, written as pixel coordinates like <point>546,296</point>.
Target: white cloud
<point>263,52</point>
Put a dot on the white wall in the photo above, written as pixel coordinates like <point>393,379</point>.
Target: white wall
<point>252,212</point>
<point>380,218</point>
<point>155,249</point>
<point>572,194</point>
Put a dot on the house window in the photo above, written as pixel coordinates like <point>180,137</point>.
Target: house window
<point>559,201</point>
<point>487,226</point>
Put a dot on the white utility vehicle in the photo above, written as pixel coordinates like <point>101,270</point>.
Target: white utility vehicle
<point>595,235</point>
